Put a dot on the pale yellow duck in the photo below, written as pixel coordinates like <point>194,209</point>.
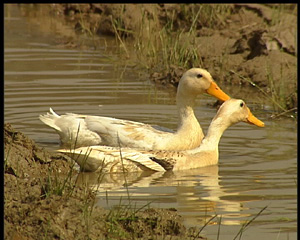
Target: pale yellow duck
<point>97,130</point>
<point>109,158</point>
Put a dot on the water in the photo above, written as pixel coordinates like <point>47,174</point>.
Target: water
<point>257,166</point>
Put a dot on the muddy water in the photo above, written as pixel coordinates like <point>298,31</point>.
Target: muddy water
<point>257,166</point>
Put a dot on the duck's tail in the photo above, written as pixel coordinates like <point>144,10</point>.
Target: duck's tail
<point>49,119</point>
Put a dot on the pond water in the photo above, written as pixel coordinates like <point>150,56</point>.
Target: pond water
<point>257,166</point>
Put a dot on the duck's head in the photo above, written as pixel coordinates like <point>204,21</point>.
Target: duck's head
<point>236,110</point>
<point>197,81</point>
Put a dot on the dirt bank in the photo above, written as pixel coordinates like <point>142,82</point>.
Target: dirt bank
<point>41,201</point>
<point>242,44</point>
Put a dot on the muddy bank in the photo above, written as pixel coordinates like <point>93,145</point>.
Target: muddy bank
<point>42,201</point>
<point>240,44</point>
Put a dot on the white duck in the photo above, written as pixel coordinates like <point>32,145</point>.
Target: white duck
<point>114,159</point>
<point>83,130</point>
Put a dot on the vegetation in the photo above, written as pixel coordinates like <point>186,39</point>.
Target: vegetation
<point>179,47</point>
<point>162,37</point>
<point>172,45</point>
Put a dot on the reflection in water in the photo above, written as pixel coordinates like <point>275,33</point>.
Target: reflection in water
<point>198,192</point>
<point>257,167</point>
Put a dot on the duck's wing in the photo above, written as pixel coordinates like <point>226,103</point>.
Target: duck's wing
<point>125,133</point>
<point>166,159</point>
<point>112,159</point>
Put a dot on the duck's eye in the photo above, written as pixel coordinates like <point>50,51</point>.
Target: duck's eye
<point>199,75</point>
<point>241,104</point>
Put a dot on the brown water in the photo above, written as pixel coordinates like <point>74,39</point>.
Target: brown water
<point>257,166</point>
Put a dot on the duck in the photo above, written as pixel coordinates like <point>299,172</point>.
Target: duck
<point>118,159</point>
<point>77,130</point>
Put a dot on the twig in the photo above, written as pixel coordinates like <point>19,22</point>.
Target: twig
<point>284,112</point>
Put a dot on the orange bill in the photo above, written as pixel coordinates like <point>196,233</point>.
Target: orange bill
<point>253,120</point>
<point>215,91</point>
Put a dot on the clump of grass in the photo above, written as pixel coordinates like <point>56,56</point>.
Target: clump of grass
<point>58,185</point>
<point>119,214</point>
<point>279,93</point>
<point>178,49</point>
<point>117,30</point>
<point>168,47</point>
<point>171,44</point>
<point>278,11</point>
<point>212,15</point>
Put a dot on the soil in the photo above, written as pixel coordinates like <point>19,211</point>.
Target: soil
<point>37,206</point>
<point>41,197</point>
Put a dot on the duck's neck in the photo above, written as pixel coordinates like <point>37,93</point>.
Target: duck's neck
<point>187,118</point>
<point>208,151</point>
<point>213,136</point>
<point>214,133</point>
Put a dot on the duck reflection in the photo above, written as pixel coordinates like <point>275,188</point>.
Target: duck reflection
<point>197,194</point>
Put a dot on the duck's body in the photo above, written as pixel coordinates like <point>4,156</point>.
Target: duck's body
<point>82,130</point>
<point>114,159</point>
